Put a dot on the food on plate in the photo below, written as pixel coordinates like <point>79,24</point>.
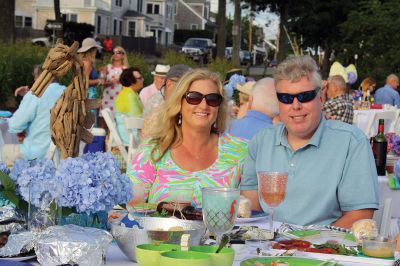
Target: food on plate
<point>274,263</point>
<point>256,233</point>
<point>365,228</point>
<point>244,210</point>
<point>176,228</point>
<point>327,248</point>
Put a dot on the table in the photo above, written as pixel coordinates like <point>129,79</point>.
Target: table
<point>5,136</point>
<point>386,192</point>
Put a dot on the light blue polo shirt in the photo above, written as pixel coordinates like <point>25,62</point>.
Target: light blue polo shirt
<point>387,95</point>
<point>334,172</point>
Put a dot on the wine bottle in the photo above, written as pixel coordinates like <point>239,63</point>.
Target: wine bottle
<point>379,149</point>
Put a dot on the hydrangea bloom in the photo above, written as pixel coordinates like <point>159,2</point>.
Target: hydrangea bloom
<point>396,144</point>
<point>397,169</point>
<point>4,168</point>
<point>389,137</point>
<point>35,181</point>
<point>92,183</point>
<point>233,81</point>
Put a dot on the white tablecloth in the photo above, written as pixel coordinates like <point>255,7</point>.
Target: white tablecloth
<point>361,118</point>
<point>385,192</point>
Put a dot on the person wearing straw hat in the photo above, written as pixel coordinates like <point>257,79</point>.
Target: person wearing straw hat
<point>88,52</point>
<point>263,107</point>
<point>158,80</point>
<point>244,94</point>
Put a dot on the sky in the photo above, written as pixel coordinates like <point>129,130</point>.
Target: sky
<point>261,19</point>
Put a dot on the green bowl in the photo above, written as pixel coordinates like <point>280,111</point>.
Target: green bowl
<point>184,258</point>
<point>149,254</point>
<point>224,258</point>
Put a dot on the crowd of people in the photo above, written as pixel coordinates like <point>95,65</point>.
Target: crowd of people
<point>196,135</point>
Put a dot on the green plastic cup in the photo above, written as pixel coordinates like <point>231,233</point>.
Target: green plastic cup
<point>184,258</point>
<point>224,258</point>
<point>149,254</point>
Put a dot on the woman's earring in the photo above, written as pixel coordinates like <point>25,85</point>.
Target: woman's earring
<point>179,119</point>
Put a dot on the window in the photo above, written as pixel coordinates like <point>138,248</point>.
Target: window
<point>115,27</point>
<point>153,9</point>
<point>193,26</point>
<point>118,2</point>
<point>120,27</point>
<point>28,22</point>
<point>175,9</point>
<point>176,26</point>
<point>98,24</point>
<point>71,17</point>
<point>132,28</point>
<point>149,9</point>
<point>18,21</point>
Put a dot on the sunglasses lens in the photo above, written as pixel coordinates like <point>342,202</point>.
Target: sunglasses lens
<point>306,96</point>
<point>194,97</point>
<point>213,99</point>
<point>285,98</point>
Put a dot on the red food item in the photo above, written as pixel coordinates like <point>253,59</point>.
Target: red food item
<point>329,250</point>
<point>321,250</point>
<point>301,243</point>
<point>286,242</point>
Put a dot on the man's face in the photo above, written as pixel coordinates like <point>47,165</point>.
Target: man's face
<point>169,87</point>
<point>331,92</point>
<point>301,119</point>
<point>394,83</point>
<point>159,81</point>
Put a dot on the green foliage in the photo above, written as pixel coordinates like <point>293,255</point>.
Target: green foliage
<point>180,36</point>
<point>16,65</point>
<point>371,32</point>
<point>9,192</point>
<point>222,66</point>
<point>172,57</point>
<point>138,60</point>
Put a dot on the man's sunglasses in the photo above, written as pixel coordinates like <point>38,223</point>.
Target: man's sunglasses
<point>303,97</point>
<point>195,98</point>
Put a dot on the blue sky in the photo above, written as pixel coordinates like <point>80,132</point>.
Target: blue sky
<point>261,19</point>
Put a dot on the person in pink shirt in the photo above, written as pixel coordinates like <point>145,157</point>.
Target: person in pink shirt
<point>158,81</point>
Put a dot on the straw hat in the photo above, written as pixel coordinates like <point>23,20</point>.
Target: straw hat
<point>161,70</point>
<point>87,44</point>
<point>246,88</point>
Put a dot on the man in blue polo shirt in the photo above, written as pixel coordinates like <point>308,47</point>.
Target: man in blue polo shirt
<point>388,94</point>
<point>332,177</point>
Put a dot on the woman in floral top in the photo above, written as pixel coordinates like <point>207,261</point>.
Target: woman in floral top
<point>189,147</point>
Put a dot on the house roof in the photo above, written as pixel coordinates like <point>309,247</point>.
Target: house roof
<point>135,14</point>
<point>193,11</point>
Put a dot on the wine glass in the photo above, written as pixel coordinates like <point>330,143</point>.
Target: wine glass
<point>220,207</point>
<point>272,190</point>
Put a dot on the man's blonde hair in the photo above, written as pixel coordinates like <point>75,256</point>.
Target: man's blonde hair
<point>166,132</point>
<point>294,68</point>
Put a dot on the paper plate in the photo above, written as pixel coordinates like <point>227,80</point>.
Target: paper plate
<point>18,258</point>
<point>293,261</point>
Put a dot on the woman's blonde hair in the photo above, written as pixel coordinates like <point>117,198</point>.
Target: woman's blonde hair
<point>89,55</point>
<point>166,132</point>
<point>367,83</point>
<point>125,62</point>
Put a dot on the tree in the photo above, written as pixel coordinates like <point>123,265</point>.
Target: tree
<point>371,32</point>
<point>7,22</point>
<point>57,10</point>
<point>221,22</point>
<point>236,33</point>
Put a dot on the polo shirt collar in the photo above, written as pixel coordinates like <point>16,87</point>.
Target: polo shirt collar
<point>281,135</point>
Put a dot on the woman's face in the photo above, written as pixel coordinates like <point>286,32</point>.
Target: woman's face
<point>201,116</point>
<point>118,55</point>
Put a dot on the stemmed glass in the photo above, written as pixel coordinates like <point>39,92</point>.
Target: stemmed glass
<point>272,190</point>
<point>220,207</point>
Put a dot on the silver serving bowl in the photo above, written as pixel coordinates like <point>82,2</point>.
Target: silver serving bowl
<point>156,231</point>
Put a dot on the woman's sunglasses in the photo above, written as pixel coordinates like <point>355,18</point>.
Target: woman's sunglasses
<point>303,97</point>
<point>119,52</point>
<point>195,98</point>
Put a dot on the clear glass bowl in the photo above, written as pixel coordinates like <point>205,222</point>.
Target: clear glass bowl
<point>378,247</point>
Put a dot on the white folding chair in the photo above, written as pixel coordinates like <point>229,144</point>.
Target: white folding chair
<point>132,123</point>
<point>115,139</point>
<point>383,217</point>
<point>52,154</point>
<point>390,117</point>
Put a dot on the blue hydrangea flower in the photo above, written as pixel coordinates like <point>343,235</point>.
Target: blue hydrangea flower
<point>396,144</point>
<point>397,169</point>
<point>4,168</point>
<point>92,183</point>
<point>234,80</point>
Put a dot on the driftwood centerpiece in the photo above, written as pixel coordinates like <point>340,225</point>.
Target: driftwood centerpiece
<point>69,120</point>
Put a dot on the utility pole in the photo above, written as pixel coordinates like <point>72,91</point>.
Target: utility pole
<point>251,28</point>
<point>236,34</point>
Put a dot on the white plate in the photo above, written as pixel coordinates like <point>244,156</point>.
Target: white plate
<point>18,258</point>
<point>255,216</point>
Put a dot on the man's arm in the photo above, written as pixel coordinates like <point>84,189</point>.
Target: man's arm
<point>252,195</point>
<point>349,217</point>
<point>25,113</point>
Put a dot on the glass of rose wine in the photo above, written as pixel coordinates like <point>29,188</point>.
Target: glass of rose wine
<point>272,190</point>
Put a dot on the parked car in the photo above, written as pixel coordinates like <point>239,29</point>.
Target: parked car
<point>245,57</point>
<point>199,49</point>
<point>42,41</point>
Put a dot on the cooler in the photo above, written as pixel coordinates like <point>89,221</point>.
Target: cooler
<point>99,140</point>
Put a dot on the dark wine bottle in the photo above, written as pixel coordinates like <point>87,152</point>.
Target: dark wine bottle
<point>379,149</point>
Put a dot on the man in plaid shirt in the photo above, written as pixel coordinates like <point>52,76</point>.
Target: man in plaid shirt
<point>338,106</point>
